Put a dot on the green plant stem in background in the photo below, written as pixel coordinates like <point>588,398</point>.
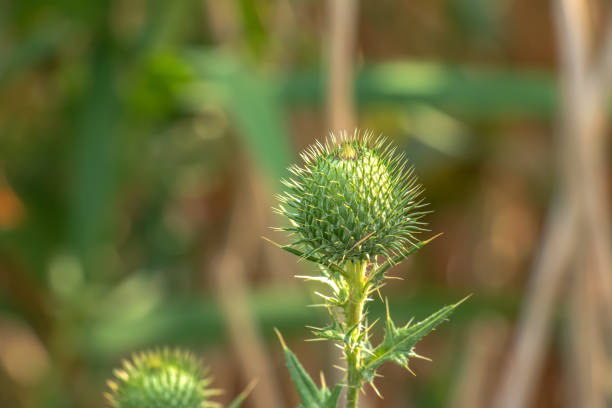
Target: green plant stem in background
<point>353,312</point>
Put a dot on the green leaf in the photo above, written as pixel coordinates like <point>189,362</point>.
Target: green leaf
<point>311,396</point>
<point>332,400</point>
<point>398,343</point>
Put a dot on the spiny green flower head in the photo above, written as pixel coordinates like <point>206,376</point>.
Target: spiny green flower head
<point>160,379</point>
<point>354,198</point>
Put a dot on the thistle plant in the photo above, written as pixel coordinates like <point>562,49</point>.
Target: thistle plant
<point>355,209</point>
<point>163,379</point>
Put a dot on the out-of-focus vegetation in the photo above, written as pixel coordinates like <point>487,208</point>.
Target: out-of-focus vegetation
<point>135,133</point>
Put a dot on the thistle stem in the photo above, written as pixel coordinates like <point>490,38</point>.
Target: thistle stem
<point>353,313</point>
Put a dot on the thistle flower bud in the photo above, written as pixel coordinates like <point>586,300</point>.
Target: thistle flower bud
<point>160,379</point>
<point>354,198</point>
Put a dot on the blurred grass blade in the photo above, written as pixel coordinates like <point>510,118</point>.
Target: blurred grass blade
<point>473,92</point>
<point>254,102</point>
<point>93,162</point>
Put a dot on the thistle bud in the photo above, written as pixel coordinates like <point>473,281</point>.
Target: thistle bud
<point>352,199</point>
<point>164,379</point>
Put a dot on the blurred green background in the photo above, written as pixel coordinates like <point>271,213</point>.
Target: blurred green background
<point>141,144</point>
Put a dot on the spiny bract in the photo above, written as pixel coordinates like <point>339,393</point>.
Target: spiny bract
<point>353,199</point>
<point>160,379</point>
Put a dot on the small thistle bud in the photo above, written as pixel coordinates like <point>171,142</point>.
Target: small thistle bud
<point>353,199</point>
<point>160,379</point>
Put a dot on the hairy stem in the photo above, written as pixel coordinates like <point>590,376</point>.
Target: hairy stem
<point>353,313</point>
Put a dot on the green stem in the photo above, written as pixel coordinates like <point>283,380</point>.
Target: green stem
<point>353,314</point>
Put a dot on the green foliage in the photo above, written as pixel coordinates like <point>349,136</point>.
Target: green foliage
<point>463,91</point>
<point>398,344</point>
<point>251,99</point>
<point>352,200</point>
<point>311,396</point>
<point>160,379</point>
<point>103,160</point>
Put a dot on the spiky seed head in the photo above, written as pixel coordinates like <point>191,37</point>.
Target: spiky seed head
<point>160,379</point>
<point>352,199</point>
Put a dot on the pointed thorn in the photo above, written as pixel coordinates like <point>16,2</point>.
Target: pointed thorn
<point>376,390</point>
<point>387,307</point>
<point>362,240</point>
<point>280,338</point>
<point>463,300</point>
<point>409,370</point>
<point>379,294</point>
<point>420,357</point>
<point>432,238</point>
<point>270,241</point>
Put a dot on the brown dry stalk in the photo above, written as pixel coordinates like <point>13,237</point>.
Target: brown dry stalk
<point>579,224</point>
<point>230,272</point>
<point>341,51</point>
